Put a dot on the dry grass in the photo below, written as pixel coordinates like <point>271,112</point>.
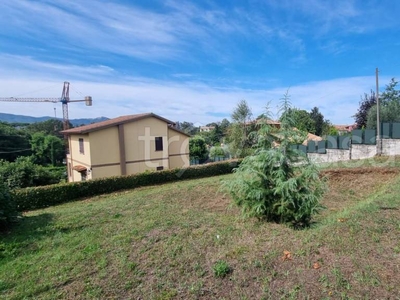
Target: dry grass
<point>163,243</point>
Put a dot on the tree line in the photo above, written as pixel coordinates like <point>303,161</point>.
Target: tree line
<point>236,138</point>
<point>32,154</point>
<point>389,107</point>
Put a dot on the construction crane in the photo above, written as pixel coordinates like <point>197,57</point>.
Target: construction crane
<point>64,100</point>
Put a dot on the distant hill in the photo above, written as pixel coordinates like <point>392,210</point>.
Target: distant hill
<point>10,118</point>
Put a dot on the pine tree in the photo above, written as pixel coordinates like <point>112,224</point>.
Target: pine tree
<point>278,183</point>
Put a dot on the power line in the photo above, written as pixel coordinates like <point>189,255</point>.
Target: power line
<point>3,152</point>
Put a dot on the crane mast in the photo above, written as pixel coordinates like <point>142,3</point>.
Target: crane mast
<point>64,101</point>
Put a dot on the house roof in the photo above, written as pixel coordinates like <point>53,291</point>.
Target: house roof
<point>118,121</point>
<point>312,137</point>
<point>345,127</point>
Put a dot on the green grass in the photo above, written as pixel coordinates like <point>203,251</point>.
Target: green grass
<point>166,242</point>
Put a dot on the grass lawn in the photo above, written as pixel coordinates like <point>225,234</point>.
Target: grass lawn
<point>185,241</point>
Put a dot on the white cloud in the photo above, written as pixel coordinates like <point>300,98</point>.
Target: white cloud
<point>337,99</point>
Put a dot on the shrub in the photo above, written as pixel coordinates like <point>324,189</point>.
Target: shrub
<point>216,151</point>
<point>221,268</point>
<point>278,183</point>
<point>24,173</point>
<point>39,197</point>
<point>197,147</point>
<point>8,209</point>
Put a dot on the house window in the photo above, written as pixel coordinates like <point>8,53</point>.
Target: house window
<point>160,168</point>
<point>81,148</point>
<point>159,143</point>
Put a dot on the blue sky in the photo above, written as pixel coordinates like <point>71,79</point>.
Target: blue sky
<point>195,60</point>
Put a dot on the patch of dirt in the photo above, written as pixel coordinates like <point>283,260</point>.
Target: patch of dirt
<point>336,174</point>
<point>348,186</point>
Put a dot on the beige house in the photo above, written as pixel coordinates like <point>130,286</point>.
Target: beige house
<point>206,128</point>
<point>125,145</point>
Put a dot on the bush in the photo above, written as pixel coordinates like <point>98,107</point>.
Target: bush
<point>197,147</point>
<point>39,197</point>
<point>216,151</point>
<point>24,173</point>
<point>8,209</point>
<point>221,268</point>
<point>278,183</point>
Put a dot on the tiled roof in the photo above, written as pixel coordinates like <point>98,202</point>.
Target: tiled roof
<point>312,137</point>
<point>114,122</point>
<point>345,127</point>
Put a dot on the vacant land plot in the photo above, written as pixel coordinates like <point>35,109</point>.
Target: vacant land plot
<point>185,241</point>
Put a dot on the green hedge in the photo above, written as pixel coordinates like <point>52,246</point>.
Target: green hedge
<point>44,196</point>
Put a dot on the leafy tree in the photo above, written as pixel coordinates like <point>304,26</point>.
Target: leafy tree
<point>50,127</point>
<point>13,142</point>
<point>216,135</point>
<point>47,149</point>
<point>322,125</point>
<point>238,133</point>
<point>278,183</point>
<point>197,147</point>
<point>216,151</point>
<point>187,127</point>
<point>389,106</point>
<point>319,121</point>
<point>332,130</point>
<point>301,119</point>
<point>24,173</point>
<point>224,125</point>
<point>242,114</point>
<point>361,117</point>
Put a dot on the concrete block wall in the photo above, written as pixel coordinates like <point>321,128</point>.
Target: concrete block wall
<point>359,151</point>
<point>390,147</point>
<point>332,155</point>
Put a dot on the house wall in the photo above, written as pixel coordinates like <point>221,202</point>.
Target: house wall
<point>178,149</point>
<point>76,158</point>
<point>140,151</point>
<point>104,146</point>
<point>81,158</point>
<point>139,167</point>
<point>105,171</point>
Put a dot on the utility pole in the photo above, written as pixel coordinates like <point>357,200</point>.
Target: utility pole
<point>378,123</point>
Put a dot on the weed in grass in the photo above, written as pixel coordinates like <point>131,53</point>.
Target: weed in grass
<point>221,269</point>
<point>293,293</point>
<point>167,295</point>
<point>200,271</point>
<point>177,250</point>
<point>196,288</point>
<point>257,263</point>
<point>341,281</point>
<point>324,280</point>
<point>237,251</point>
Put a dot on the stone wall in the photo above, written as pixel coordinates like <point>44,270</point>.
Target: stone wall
<point>390,147</point>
